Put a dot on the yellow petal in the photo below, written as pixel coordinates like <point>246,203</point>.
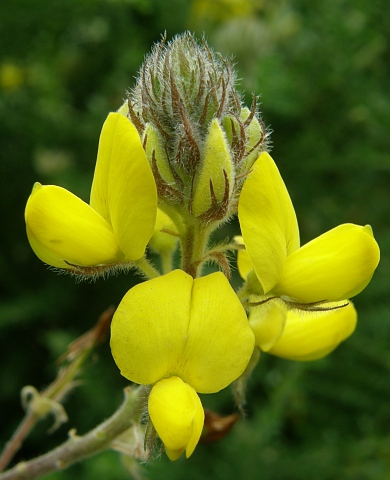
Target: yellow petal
<point>312,335</point>
<point>268,222</point>
<point>267,322</point>
<point>243,262</point>
<point>99,190</point>
<point>220,342</point>
<point>63,230</point>
<point>174,325</point>
<point>335,265</point>
<point>123,189</point>
<point>177,415</point>
<point>150,327</point>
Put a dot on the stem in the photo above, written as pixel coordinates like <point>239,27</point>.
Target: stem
<point>174,215</point>
<point>79,448</point>
<point>194,244</point>
<point>146,268</point>
<point>16,441</point>
<point>55,391</point>
<point>166,261</point>
<point>65,377</point>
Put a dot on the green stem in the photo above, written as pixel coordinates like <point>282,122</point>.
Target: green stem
<point>60,386</point>
<point>166,261</point>
<point>146,268</point>
<point>79,448</point>
<point>193,246</point>
<point>174,215</point>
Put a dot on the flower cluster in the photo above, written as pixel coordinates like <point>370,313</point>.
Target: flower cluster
<point>178,159</point>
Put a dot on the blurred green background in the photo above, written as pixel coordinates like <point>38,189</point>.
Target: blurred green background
<point>323,72</point>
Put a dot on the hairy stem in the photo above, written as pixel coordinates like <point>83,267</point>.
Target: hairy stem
<point>146,268</point>
<point>194,245</point>
<point>78,448</point>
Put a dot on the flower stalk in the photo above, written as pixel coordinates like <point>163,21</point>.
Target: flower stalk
<point>78,352</point>
<point>78,448</point>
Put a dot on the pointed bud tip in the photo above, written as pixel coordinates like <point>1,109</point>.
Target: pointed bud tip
<point>37,186</point>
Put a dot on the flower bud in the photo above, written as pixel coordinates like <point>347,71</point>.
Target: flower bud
<point>254,134</point>
<point>168,185</point>
<point>214,179</point>
<point>198,138</point>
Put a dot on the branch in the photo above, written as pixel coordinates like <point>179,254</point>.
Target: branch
<point>79,448</point>
<point>17,439</point>
<point>76,354</point>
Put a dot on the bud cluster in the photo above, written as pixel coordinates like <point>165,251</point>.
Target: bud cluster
<point>198,138</point>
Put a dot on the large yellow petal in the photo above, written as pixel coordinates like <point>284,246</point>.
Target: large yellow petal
<point>220,342</point>
<point>176,326</point>
<point>335,265</point>
<point>63,230</point>
<point>150,328</point>
<point>123,189</point>
<point>268,221</point>
<point>177,415</point>
<point>312,335</point>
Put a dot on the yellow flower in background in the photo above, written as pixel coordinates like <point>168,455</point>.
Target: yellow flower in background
<point>177,327</point>
<point>11,76</point>
<point>336,265</point>
<point>115,227</point>
<point>222,10</point>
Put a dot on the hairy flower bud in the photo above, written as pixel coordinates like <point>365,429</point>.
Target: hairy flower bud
<point>198,138</point>
<point>215,175</point>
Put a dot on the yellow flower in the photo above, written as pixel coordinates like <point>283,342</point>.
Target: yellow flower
<point>115,227</point>
<point>301,335</point>
<point>334,266</point>
<point>222,10</point>
<point>177,327</point>
<point>11,76</point>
